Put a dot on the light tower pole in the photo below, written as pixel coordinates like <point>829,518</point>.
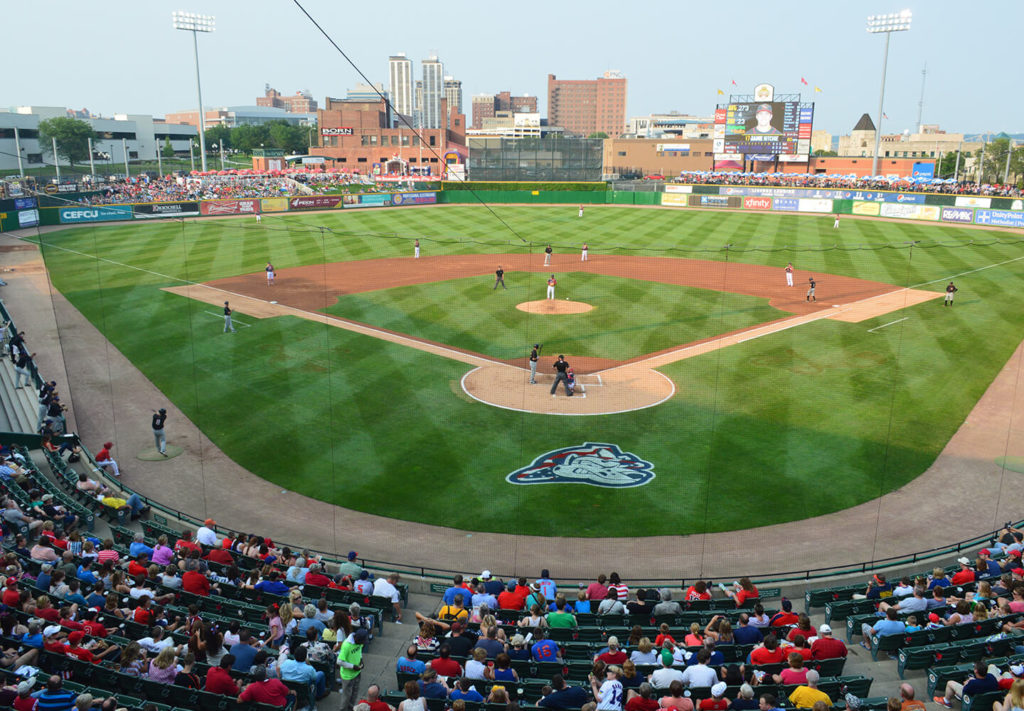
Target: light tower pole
<point>885,24</point>
<point>192,22</point>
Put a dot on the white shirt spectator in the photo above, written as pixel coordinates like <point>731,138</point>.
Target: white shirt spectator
<point>700,675</point>
<point>150,645</point>
<point>170,581</point>
<point>382,588</point>
<point>662,678</point>
<point>207,537</point>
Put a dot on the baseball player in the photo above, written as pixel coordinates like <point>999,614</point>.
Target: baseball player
<point>835,225</point>
<point>551,286</point>
<point>789,274</point>
<point>416,249</point>
<point>534,356</point>
<point>259,218</point>
<point>547,255</point>
<point>158,431</point>
<point>581,211</point>
<point>228,326</point>
<point>499,278</point>
<point>810,292</point>
<point>561,366</point>
<point>570,380</point>
<point>105,461</point>
<point>270,274</point>
<point>583,253</point>
<point>950,290</point>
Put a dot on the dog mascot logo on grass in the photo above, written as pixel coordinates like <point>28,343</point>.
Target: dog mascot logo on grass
<point>594,463</point>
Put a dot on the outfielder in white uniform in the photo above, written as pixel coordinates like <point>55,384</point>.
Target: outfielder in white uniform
<point>835,225</point>
<point>789,274</point>
<point>581,211</point>
<point>416,249</point>
<point>270,274</point>
<point>551,287</point>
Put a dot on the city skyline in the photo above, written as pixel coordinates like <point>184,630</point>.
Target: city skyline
<point>675,61</point>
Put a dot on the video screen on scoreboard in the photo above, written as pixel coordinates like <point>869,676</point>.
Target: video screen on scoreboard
<point>766,128</point>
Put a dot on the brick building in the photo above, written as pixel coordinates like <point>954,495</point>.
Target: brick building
<point>356,136</point>
<point>585,106</point>
<point>488,105</point>
<point>301,103</point>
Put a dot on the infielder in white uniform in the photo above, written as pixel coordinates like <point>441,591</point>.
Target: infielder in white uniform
<point>551,287</point>
<point>416,249</point>
<point>789,274</point>
<point>581,211</point>
<point>270,274</point>
<point>583,253</point>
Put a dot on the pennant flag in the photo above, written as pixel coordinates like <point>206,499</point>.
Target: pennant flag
<point>818,90</point>
<point>885,115</point>
<point>804,81</point>
<point>721,93</point>
<point>734,83</point>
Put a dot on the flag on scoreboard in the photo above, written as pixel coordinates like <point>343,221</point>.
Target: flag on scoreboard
<point>804,81</point>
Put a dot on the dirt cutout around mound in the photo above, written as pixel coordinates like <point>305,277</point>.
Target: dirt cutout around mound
<point>555,307</point>
<point>604,386</point>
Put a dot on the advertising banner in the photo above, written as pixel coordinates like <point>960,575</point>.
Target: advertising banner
<point>230,207</point>
<point>923,170</point>
<point>99,213</point>
<point>678,188</point>
<point>1000,218</point>
<point>757,203</point>
<point>711,201</point>
<point>971,201</point>
<point>958,214</point>
<point>679,199</point>
<point>314,202</point>
<point>760,192</point>
<point>788,204</point>
<point>28,218</point>
<point>166,209</point>
<point>273,204</point>
<point>815,205</point>
<point>375,199</point>
<point>911,212</point>
<point>905,198</point>
<point>866,208</point>
<point>24,203</point>
<point>414,198</point>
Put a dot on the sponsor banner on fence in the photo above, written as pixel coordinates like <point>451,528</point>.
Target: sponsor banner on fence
<point>99,213</point>
<point>1017,205</point>
<point>753,190</point>
<point>958,214</point>
<point>28,218</point>
<point>905,198</point>
<point>374,199</point>
<point>166,209</point>
<point>815,205</point>
<point>866,208</point>
<point>714,201</point>
<point>757,203</point>
<point>670,188</point>
<point>969,201</point>
<point>1000,218</point>
<point>679,199</point>
<point>25,203</point>
<point>314,202</point>
<point>414,198</point>
<point>784,203</point>
<point>273,204</point>
<point>910,212</point>
<point>230,207</point>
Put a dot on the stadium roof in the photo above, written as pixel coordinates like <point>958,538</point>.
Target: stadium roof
<point>865,124</point>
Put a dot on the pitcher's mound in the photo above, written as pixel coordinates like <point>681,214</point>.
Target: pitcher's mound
<point>554,306</point>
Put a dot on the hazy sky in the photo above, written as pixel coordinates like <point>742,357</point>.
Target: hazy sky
<point>116,56</point>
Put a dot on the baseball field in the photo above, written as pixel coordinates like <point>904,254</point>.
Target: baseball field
<point>710,395</point>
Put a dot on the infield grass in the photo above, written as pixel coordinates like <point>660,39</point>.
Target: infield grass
<point>803,422</point>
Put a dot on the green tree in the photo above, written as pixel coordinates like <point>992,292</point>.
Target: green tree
<point>168,149</point>
<point>996,152</point>
<point>219,134</point>
<point>821,152</point>
<point>247,138</point>
<point>289,137</point>
<point>598,134</point>
<point>947,167</point>
<point>72,138</point>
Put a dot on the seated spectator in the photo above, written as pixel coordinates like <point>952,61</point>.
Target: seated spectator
<point>263,690</point>
<point>409,664</point>
<point>544,650</point>
<point>431,687</point>
<point>414,702</point>
<point>464,690</point>
<point>611,605</point>
<point>164,666</point>
<point>219,679</point>
<point>746,633</point>
<point>667,606</point>
<point>768,653</point>
<point>939,579</point>
<point>827,646</point>
<point>562,617</point>
<point>745,701</point>
<point>803,627</point>
<point>386,587</point>
<point>979,683</point>
<point>966,574</point>
<point>717,702</point>
<point>476,665</point>
<point>697,591</point>
<point>700,674</point>
<point>741,591</point>
<point>271,584</point>
<point>667,675</point>
<point>889,625</point>
<point>298,669</point>
<point>807,694</point>
<point>444,665</point>
<point>613,654</point>
<point>796,673</point>
<point>105,460</point>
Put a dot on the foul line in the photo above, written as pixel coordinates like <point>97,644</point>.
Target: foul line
<point>233,319</point>
<point>872,330</point>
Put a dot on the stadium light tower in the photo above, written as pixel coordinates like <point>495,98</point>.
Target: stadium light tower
<point>191,22</point>
<point>887,24</point>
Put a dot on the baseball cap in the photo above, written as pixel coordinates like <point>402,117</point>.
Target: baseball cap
<point>485,575</point>
<point>1017,669</point>
<point>666,658</point>
<point>787,605</point>
<point>51,630</point>
<point>76,636</point>
<point>458,627</point>
<point>209,522</point>
<point>718,689</point>
<point>825,629</point>
<point>984,551</point>
<point>763,107</point>
<point>352,555</point>
<point>108,445</point>
<point>361,636</point>
<point>1015,554</point>
<point>963,560</point>
<point>933,617</point>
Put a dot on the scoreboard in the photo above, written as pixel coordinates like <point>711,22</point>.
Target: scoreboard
<point>763,130</point>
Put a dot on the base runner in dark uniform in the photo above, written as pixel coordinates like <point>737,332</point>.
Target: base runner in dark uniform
<point>950,290</point>
<point>561,366</point>
<point>810,291</point>
<point>499,278</point>
<point>534,356</point>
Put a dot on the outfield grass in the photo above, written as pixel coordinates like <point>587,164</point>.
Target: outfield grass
<point>826,407</point>
<point>630,318</point>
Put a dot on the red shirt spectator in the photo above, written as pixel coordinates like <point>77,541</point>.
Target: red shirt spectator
<point>318,579</point>
<point>446,667</point>
<point>270,691</point>
<point>963,576</point>
<point>713,704</point>
<point>137,570</point>
<point>219,681</point>
<point>12,596</point>
<point>144,616</point>
<point>219,555</point>
<point>763,655</point>
<point>827,647</point>
<point>94,629</point>
<point>184,545</point>
<point>196,583</point>
<point>509,600</point>
<point>639,703</point>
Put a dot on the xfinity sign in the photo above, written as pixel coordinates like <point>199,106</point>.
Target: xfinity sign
<point>99,213</point>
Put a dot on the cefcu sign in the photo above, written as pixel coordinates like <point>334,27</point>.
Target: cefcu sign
<point>337,131</point>
<point>94,214</point>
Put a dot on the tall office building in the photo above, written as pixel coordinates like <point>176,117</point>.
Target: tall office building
<point>587,106</point>
<point>400,83</point>
<point>487,105</point>
<point>453,92</point>
<point>433,93</point>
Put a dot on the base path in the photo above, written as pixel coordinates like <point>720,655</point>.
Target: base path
<point>606,386</point>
